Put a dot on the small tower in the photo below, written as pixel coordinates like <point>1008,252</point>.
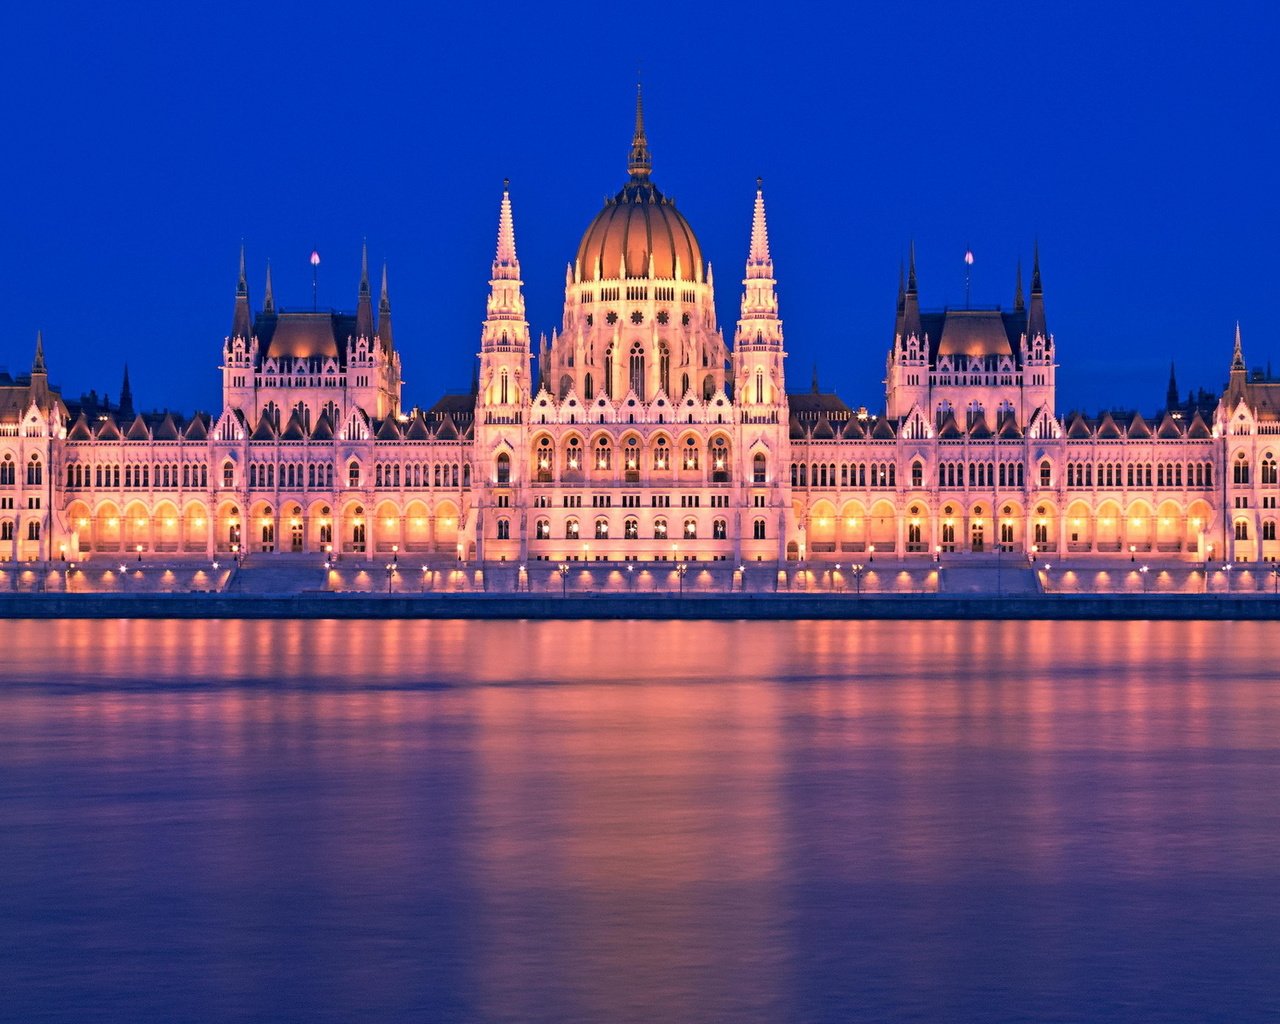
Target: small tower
<point>759,379</point>
<point>125,411</point>
<point>907,372</point>
<point>1039,370</point>
<point>364,303</point>
<point>242,318</point>
<point>504,337</point>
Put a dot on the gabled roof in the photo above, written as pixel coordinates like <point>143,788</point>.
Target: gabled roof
<point>139,431</point>
<point>1138,426</point>
<point>264,431</point>
<point>167,430</point>
<point>853,429</point>
<point>80,429</point>
<point>980,428</point>
<point>884,430</point>
<point>293,430</point>
<point>1009,428</point>
<point>417,430</point>
<point>389,431</point>
<point>446,431</point>
<point>1107,428</point>
<point>108,430</point>
<point>1198,429</point>
<point>323,429</point>
<point>1168,427</point>
<point>823,431</point>
<point>197,429</point>
<point>950,429</point>
<point>1079,429</point>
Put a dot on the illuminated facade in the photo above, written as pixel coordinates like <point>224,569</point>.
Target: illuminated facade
<point>638,435</point>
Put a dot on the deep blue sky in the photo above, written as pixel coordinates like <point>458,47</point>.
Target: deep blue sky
<point>1138,142</point>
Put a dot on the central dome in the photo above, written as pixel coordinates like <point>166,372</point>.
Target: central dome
<point>639,223</point>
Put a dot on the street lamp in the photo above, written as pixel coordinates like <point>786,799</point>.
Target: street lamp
<point>1133,548</point>
<point>1144,570</point>
<point>742,578</point>
<point>138,549</point>
<point>857,570</point>
<point>937,554</point>
<point>1227,568</point>
<point>520,577</point>
<point>681,569</point>
<point>425,570</point>
<point>391,571</point>
<point>1035,549</point>
<point>564,579</point>
<point>872,552</point>
<point>835,580</point>
<point>631,578</point>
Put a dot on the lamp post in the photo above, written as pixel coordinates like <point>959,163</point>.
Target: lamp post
<point>138,548</point>
<point>521,576</point>
<point>391,572</point>
<point>425,570</point>
<point>835,579</point>
<point>871,552</point>
<point>681,569</point>
<point>1227,568</point>
<point>1133,552</point>
<point>563,570</point>
<point>1275,579</point>
<point>631,577</point>
<point>742,577</point>
<point>235,554</point>
<point>856,571</point>
<point>1144,570</point>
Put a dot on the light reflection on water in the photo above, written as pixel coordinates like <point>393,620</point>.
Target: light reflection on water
<point>635,821</point>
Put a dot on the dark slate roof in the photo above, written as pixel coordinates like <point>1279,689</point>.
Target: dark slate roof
<point>305,335</point>
<point>974,332</point>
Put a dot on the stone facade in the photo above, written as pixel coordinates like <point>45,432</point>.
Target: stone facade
<point>639,436</point>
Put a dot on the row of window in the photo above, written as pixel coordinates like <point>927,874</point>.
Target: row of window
<point>1163,474</point>
<point>7,529</point>
<point>166,476</point>
<point>631,529</point>
<point>9,471</point>
<point>880,474</point>
<point>1240,469</point>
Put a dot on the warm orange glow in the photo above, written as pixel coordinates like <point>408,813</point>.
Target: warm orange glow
<point>141,522</point>
<point>84,522</point>
<point>168,522</point>
<point>113,522</point>
<point>573,463</point>
<point>200,521</point>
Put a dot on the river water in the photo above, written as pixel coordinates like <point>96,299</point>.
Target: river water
<point>639,821</point>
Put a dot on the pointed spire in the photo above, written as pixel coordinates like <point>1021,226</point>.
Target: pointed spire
<point>384,313</point>
<point>1237,356</point>
<point>909,319</point>
<point>364,305</point>
<point>1017,295</point>
<point>268,297</point>
<point>506,256</point>
<point>1036,325</point>
<point>1171,395</point>
<point>911,273</point>
<point>641,161</point>
<point>126,397</point>
<point>815,378</point>
<point>242,319</point>
<point>759,254</point>
<point>37,364</point>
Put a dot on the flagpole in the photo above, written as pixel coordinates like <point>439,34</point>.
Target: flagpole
<point>315,284</point>
<point>968,273</point>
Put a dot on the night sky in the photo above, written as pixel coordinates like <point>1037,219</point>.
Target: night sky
<point>1137,142</point>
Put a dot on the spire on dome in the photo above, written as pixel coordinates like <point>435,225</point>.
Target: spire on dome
<point>268,297</point>
<point>1237,355</point>
<point>364,306</point>
<point>641,161</point>
<point>37,364</point>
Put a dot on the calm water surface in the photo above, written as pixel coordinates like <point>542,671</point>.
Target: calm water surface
<point>689,821</point>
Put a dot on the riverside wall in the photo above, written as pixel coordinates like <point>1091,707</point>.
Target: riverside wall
<point>637,606</point>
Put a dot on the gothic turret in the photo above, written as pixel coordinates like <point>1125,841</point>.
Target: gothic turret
<point>504,338</point>
<point>384,316</point>
<point>1036,327</point>
<point>125,411</point>
<point>364,304</point>
<point>242,319</point>
<point>268,295</point>
<point>758,353</point>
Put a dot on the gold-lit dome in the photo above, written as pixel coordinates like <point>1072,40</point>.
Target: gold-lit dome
<point>639,222</point>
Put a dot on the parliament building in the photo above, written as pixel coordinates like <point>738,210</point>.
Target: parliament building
<point>636,433</point>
